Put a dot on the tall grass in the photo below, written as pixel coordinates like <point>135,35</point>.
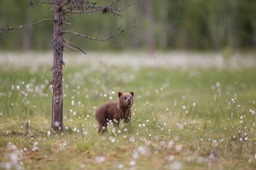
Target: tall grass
<point>183,118</point>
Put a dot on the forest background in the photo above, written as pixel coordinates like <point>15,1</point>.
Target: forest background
<point>165,25</point>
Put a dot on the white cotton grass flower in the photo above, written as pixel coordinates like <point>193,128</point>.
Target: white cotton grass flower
<point>112,139</point>
<point>179,148</point>
<point>85,133</point>
<point>143,150</point>
<point>132,163</point>
<point>176,165</point>
<point>135,155</point>
<point>132,139</point>
<point>170,158</point>
<point>35,147</point>
<point>120,166</point>
<point>170,144</point>
<point>100,159</point>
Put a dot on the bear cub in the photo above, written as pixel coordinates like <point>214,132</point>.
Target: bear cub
<point>115,111</point>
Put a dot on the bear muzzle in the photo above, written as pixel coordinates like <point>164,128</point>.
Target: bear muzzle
<point>130,102</point>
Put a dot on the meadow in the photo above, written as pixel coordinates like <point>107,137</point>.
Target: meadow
<point>198,115</point>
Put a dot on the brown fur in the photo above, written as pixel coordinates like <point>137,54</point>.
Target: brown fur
<point>115,111</point>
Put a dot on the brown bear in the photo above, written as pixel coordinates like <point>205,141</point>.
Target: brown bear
<point>115,111</point>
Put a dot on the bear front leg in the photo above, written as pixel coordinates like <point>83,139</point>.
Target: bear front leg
<point>127,118</point>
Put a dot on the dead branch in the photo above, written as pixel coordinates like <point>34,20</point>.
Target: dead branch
<point>73,46</point>
<point>98,9</point>
<point>76,4</point>
<point>47,2</point>
<point>110,38</point>
<point>108,8</point>
<point>34,3</point>
<point>29,25</point>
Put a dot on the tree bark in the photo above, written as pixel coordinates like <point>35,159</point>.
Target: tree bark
<point>57,98</point>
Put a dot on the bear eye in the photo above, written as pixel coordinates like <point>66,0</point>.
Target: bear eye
<point>125,98</point>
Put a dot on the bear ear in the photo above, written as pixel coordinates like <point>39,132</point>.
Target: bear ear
<point>132,93</point>
<point>120,94</point>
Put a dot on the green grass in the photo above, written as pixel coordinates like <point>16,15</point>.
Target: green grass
<point>181,117</point>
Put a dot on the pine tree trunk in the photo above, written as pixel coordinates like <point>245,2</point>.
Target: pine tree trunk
<point>57,98</point>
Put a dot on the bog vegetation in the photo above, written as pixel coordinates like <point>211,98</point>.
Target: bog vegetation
<point>184,118</point>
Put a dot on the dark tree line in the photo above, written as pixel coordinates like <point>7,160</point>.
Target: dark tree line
<point>199,24</point>
<point>165,24</point>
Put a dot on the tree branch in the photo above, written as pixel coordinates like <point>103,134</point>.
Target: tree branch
<point>29,25</point>
<point>98,9</point>
<point>95,38</point>
<point>34,3</point>
<point>73,46</point>
<point>47,2</point>
<point>93,8</point>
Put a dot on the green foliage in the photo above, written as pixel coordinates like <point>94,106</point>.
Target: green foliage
<point>187,24</point>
